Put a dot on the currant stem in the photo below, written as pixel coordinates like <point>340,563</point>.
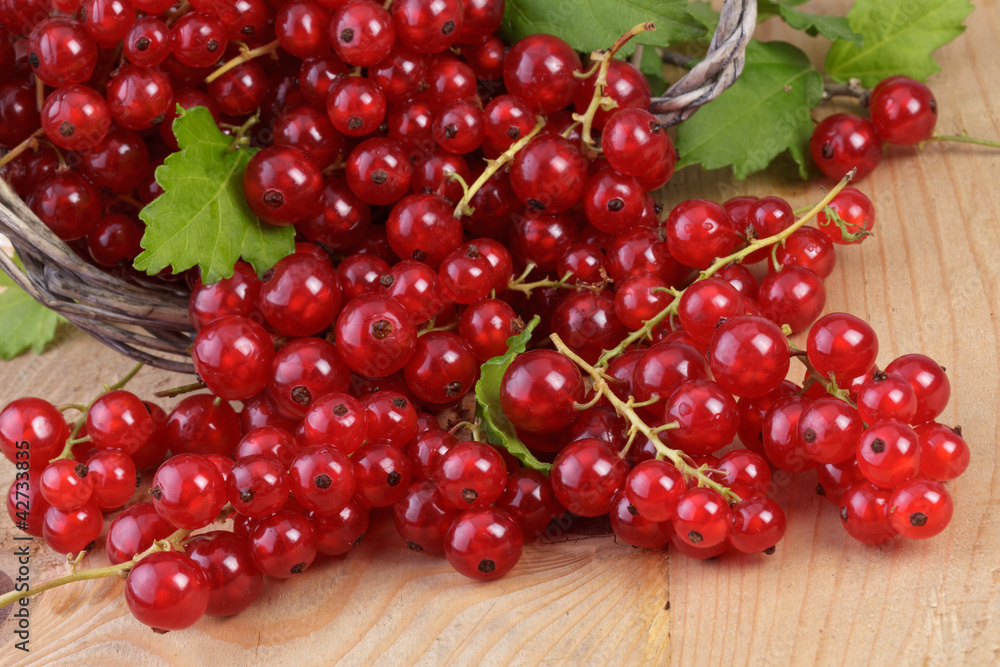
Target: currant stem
<point>246,55</point>
<point>720,263</point>
<point>475,428</point>
<point>30,142</point>
<point>39,93</point>
<point>852,88</point>
<point>626,409</point>
<point>171,543</point>
<point>67,452</point>
<point>493,166</point>
<point>240,139</point>
<point>180,391</point>
<point>430,328</point>
<point>815,377</point>
<point>181,10</point>
<point>599,100</point>
<point>961,138</point>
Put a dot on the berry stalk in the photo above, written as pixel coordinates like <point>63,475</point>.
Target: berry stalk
<point>246,55</point>
<point>493,166</point>
<point>30,142</point>
<point>626,409</point>
<point>738,256</point>
<point>600,100</point>
<point>172,543</point>
<point>67,451</point>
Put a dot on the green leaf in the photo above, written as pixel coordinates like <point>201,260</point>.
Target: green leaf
<point>26,323</point>
<point>765,113</point>
<point>589,25</point>
<point>652,66</point>
<point>499,430</point>
<point>203,218</point>
<point>831,27</point>
<point>705,15</point>
<point>899,37</point>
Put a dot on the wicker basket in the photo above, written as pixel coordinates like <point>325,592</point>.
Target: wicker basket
<point>149,322</point>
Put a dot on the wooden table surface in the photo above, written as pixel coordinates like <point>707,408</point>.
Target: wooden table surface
<point>929,281</point>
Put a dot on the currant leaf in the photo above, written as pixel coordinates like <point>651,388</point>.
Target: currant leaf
<point>596,24</point>
<point>763,114</point>
<point>899,38</point>
<point>499,431</point>
<point>831,27</point>
<point>652,67</point>
<point>26,323</point>
<point>203,218</point>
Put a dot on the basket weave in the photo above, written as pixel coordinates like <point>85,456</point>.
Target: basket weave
<point>149,322</point>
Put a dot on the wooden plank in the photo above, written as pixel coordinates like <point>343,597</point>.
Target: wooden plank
<point>929,281</point>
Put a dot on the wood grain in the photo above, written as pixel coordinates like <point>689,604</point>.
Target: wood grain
<point>929,281</point>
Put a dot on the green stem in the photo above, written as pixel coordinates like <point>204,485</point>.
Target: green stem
<point>814,376</point>
<point>67,452</point>
<point>179,391</point>
<point>961,138</point>
<point>626,410</point>
<point>245,56</point>
<point>493,166</point>
<point>31,142</point>
<point>240,139</point>
<point>738,256</point>
<point>600,100</point>
<point>171,543</point>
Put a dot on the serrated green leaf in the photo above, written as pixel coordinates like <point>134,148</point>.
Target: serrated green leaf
<point>203,218</point>
<point>499,431</point>
<point>26,323</point>
<point>765,113</point>
<point>831,27</point>
<point>899,37</point>
<point>589,25</point>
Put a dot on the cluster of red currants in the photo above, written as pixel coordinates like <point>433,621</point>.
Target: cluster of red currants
<point>404,282</point>
<point>903,112</point>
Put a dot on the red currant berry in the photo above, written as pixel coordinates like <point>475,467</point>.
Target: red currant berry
<point>529,499</point>
<point>888,454</point>
<point>541,70</point>
<point>167,591</point>
<point>61,51</point>
<point>233,357</point>
<point>944,454</point>
<point>842,142</point>
<point>856,213</point>
<point>283,544</point>
<point>484,543</point>
<point>382,472</point>
<point>794,296</point>
<point>339,533</point>
<point>749,356</point>
<point>758,525</point>
<point>586,475</point>
<point>864,512</point>
<point>72,531</point>
<point>698,231</point>
<point>928,380</point>
<point>540,390</point>
<point>188,491</point>
<point>702,518</point>
<point>549,174</point>
<point>919,508</point>
<point>75,117</point>
<point>133,531</point>
<point>362,33</point>
<point>903,111</point>
<point>233,579</point>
